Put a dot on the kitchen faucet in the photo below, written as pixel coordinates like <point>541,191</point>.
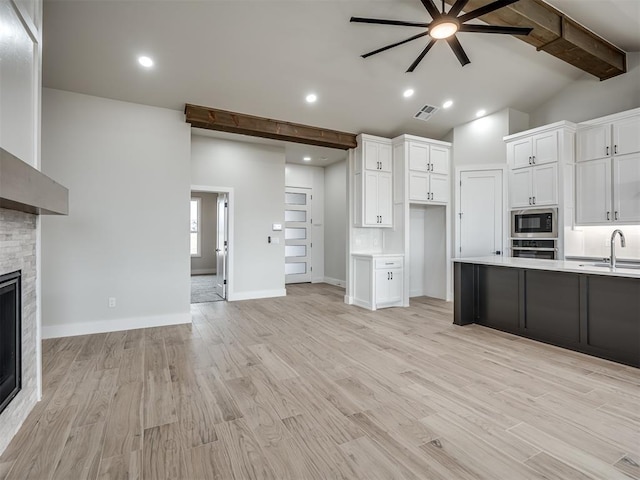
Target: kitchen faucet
<point>623,243</point>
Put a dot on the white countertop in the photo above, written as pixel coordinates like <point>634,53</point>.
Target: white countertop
<point>552,265</point>
<point>377,255</point>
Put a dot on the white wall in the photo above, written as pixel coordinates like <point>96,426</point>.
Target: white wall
<point>256,174</point>
<point>307,176</point>
<point>206,262</point>
<point>589,98</point>
<point>335,230</point>
<point>126,236</point>
<point>596,242</point>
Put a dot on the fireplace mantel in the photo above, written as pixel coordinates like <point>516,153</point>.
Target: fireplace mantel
<point>26,189</point>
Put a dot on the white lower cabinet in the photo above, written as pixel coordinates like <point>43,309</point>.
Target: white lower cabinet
<point>378,281</point>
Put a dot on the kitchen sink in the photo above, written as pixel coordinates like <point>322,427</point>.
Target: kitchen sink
<point>606,265</point>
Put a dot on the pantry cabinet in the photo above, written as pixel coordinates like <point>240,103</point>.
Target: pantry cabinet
<point>608,170</point>
<point>373,182</point>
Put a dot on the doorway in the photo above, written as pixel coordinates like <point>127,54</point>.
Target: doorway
<point>209,245</point>
<point>297,235</point>
<point>481,217</point>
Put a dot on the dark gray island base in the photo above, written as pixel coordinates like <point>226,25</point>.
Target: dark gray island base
<point>593,313</point>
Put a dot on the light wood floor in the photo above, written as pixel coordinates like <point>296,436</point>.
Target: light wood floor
<point>305,387</point>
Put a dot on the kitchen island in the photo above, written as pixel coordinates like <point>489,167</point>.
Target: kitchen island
<point>575,305</point>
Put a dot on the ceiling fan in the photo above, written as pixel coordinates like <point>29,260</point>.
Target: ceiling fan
<point>445,25</point>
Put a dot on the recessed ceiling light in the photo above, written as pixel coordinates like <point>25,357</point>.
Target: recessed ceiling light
<point>447,104</point>
<point>408,93</point>
<point>311,98</point>
<point>307,159</point>
<point>480,113</point>
<point>145,62</point>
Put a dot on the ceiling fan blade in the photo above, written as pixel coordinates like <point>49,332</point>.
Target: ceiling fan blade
<point>495,29</point>
<point>431,8</point>
<point>421,56</point>
<point>458,50</point>
<point>478,12</point>
<point>382,21</point>
<point>395,44</point>
<point>457,7</point>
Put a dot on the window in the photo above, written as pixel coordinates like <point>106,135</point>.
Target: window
<point>194,230</point>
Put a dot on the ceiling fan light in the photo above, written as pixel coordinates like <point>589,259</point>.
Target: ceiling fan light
<point>444,29</point>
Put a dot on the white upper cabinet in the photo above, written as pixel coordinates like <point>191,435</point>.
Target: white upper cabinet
<point>608,170</point>
<point>373,182</point>
<point>520,188</point>
<point>419,157</point>
<point>428,168</point>
<point>533,150</point>
<point>544,185</point>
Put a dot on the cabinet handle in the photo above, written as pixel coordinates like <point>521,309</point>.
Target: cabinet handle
<point>615,149</point>
<point>529,200</point>
<point>607,150</point>
<point>534,200</point>
<point>431,167</point>
<point>615,215</point>
<point>534,159</point>
<point>529,160</point>
<point>391,275</point>
<point>608,216</point>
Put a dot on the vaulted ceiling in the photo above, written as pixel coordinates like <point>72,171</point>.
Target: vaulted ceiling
<point>263,57</point>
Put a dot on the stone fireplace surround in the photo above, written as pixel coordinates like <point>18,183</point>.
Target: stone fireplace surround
<point>18,252</point>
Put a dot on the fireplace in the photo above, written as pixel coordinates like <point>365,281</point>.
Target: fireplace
<point>10,338</point>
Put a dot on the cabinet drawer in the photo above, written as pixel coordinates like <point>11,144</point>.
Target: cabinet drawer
<point>388,262</point>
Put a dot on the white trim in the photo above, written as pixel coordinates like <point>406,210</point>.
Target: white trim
<point>610,118</point>
<point>334,281</point>
<point>114,325</point>
<point>203,271</point>
<point>562,124</point>
<point>198,201</point>
<point>257,294</point>
<point>230,236</point>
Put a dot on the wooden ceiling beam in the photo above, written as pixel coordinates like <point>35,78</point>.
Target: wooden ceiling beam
<point>233,122</point>
<point>558,35</point>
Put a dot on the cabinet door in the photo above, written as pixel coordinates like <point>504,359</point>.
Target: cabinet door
<point>418,157</point>
<point>371,198</point>
<point>418,186</point>
<point>626,136</point>
<point>384,157</point>
<point>520,153</point>
<point>439,157</point>
<point>545,148</point>
<point>395,285</point>
<point>439,187</point>
<point>382,291</point>
<point>545,184</point>
<point>371,151</point>
<point>520,188</point>
<point>626,188</point>
<point>593,142</point>
<point>385,199</point>
<point>593,192</point>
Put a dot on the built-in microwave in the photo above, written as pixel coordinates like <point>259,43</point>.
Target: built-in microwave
<point>534,223</point>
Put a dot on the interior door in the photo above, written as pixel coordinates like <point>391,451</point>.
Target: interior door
<point>481,213</point>
<point>297,235</point>
<point>222,246</point>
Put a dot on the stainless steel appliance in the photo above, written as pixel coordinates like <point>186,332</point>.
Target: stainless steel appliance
<point>534,223</point>
<point>546,249</point>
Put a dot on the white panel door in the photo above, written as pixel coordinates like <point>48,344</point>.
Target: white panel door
<point>481,213</point>
<point>593,142</point>
<point>371,198</point>
<point>545,148</point>
<point>297,235</point>
<point>395,285</point>
<point>385,200</point>
<point>370,151</point>
<point>545,184</point>
<point>439,186</point>
<point>626,188</point>
<point>222,248</point>
<point>382,292</point>
<point>626,136</point>
<point>418,186</point>
<point>593,191</point>
<point>521,152</point>
<point>418,157</point>
<point>439,158</point>
<point>520,192</point>
<point>385,156</point>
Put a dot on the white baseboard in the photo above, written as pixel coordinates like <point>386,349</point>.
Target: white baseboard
<point>203,271</point>
<point>257,294</point>
<point>114,325</point>
<point>348,300</point>
<point>335,281</point>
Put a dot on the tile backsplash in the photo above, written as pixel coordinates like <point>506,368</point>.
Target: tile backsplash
<point>595,241</point>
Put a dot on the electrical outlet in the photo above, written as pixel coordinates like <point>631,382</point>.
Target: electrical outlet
<point>112,302</point>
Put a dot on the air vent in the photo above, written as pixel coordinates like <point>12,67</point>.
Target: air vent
<point>426,112</point>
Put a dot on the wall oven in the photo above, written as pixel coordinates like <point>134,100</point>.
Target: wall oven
<point>546,249</point>
<point>534,223</point>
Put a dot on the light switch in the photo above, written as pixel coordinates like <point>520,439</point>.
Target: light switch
<point>277,227</point>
